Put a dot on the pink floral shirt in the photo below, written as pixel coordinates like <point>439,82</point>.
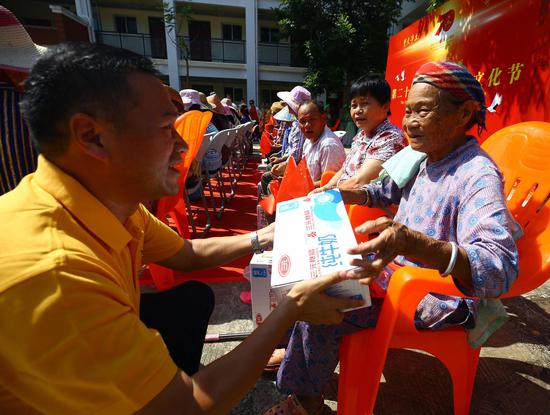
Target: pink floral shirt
<point>382,143</point>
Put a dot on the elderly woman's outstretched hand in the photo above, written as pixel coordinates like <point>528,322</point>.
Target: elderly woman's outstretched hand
<point>392,241</point>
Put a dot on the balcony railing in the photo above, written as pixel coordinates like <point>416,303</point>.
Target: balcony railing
<point>140,43</point>
<point>213,50</point>
<point>210,50</point>
<point>274,54</point>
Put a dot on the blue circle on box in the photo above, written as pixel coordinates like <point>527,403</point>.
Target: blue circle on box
<point>326,204</point>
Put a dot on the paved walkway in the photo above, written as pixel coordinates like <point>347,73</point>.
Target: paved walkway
<point>513,377</point>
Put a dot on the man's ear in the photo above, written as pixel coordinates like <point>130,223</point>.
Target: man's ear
<point>87,133</point>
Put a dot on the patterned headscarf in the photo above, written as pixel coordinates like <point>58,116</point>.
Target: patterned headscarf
<point>456,80</point>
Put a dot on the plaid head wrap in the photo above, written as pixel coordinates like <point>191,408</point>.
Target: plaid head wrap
<point>456,80</point>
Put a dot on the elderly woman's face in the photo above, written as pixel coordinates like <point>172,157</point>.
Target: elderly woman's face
<point>430,122</point>
<point>367,112</point>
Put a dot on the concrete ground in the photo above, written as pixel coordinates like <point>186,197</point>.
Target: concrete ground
<point>513,376</point>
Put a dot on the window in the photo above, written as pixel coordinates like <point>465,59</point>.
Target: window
<point>270,95</point>
<point>125,24</point>
<point>205,89</point>
<point>269,35</point>
<point>236,94</point>
<point>232,32</point>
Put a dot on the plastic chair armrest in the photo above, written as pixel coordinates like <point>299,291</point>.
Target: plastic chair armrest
<point>409,285</point>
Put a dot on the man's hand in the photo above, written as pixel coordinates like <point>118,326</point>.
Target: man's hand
<point>392,241</point>
<point>275,160</point>
<point>314,306</point>
<point>266,234</point>
<point>278,169</point>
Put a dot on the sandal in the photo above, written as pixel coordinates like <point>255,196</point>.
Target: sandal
<point>290,406</point>
<point>275,360</point>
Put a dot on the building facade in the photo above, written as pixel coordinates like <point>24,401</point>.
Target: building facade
<point>231,47</point>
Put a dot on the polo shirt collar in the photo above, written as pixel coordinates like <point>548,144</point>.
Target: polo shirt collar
<point>74,197</point>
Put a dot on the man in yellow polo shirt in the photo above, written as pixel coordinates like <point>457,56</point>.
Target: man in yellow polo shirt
<point>73,236</point>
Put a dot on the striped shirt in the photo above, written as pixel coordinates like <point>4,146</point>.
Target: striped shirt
<point>18,156</point>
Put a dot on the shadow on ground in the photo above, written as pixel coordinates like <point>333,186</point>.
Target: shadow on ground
<point>513,376</point>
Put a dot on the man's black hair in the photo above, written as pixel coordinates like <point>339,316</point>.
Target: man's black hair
<point>373,85</point>
<point>78,77</point>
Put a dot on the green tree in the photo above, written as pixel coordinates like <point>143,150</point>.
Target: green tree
<point>340,39</point>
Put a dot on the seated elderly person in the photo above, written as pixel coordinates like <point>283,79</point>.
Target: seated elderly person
<point>377,139</point>
<point>452,217</point>
<point>323,150</point>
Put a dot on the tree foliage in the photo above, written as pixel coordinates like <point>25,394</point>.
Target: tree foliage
<point>340,39</point>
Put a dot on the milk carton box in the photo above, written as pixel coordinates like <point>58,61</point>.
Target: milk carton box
<point>263,300</point>
<point>312,236</point>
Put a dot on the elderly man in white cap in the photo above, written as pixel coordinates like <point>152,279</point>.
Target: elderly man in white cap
<point>293,99</point>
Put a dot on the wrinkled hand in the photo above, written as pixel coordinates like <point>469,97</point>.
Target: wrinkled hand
<point>353,196</point>
<point>391,241</point>
<point>314,306</point>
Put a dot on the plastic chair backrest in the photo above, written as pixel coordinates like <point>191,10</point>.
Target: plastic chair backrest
<point>360,214</point>
<point>204,147</point>
<point>249,126</point>
<point>191,127</point>
<point>218,141</point>
<point>188,125</point>
<point>340,134</point>
<point>326,176</point>
<point>522,152</point>
<point>231,136</point>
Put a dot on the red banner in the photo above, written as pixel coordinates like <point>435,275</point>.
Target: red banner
<point>504,43</point>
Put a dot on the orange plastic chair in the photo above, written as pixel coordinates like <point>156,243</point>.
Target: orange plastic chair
<point>522,152</point>
<point>360,214</point>
<point>191,127</point>
<point>326,176</point>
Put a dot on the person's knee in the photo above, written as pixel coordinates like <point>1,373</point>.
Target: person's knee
<point>203,295</point>
<point>266,177</point>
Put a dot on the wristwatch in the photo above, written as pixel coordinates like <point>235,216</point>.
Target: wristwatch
<point>256,247</point>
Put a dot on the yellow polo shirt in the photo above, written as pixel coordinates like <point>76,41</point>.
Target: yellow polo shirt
<point>71,341</point>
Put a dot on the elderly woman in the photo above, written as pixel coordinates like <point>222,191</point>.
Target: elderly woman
<point>377,139</point>
<point>452,217</point>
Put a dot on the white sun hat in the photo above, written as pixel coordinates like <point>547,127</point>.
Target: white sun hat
<point>17,50</point>
<point>284,115</point>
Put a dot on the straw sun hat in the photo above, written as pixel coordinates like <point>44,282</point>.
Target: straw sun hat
<point>17,50</point>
